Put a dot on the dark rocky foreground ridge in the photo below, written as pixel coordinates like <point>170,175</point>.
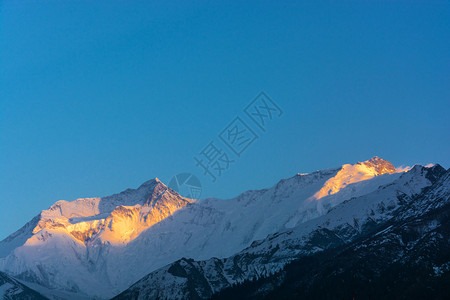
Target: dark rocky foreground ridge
<point>12,289</point>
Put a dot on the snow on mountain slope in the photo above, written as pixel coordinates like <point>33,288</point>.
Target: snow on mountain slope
<point>199,231</point>
<point>116,219</point>
<point>18,238</point>
<point>357,214</point>
<point>354,173</point>
<point>70,241</point>
<point>99,246</point>
<point>351,181</point>
<point>187,278</point>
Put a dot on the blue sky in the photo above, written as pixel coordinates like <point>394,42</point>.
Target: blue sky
<point>100,96</point>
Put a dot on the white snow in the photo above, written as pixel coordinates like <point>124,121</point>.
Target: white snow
<point>99,246</point>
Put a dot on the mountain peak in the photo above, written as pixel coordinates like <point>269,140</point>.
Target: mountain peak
<point>116,219</point>
<point>380,165</point>
<point>152,183</point>
<point>349,174</point>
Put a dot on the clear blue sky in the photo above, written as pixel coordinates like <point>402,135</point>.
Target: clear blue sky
<point>100,96</point>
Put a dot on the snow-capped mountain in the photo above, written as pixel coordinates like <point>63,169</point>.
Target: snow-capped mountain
<point>97,247</point>
<point>351,219</point>
<point>407,257</point>
<point>66,246</point>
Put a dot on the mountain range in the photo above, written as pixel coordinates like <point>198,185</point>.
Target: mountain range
<point>151,243</point>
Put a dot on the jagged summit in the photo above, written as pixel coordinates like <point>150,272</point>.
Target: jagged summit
<point>380,165</point>
<point>351,174</point>
<point>151,183</point>
<point>115,219</point>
